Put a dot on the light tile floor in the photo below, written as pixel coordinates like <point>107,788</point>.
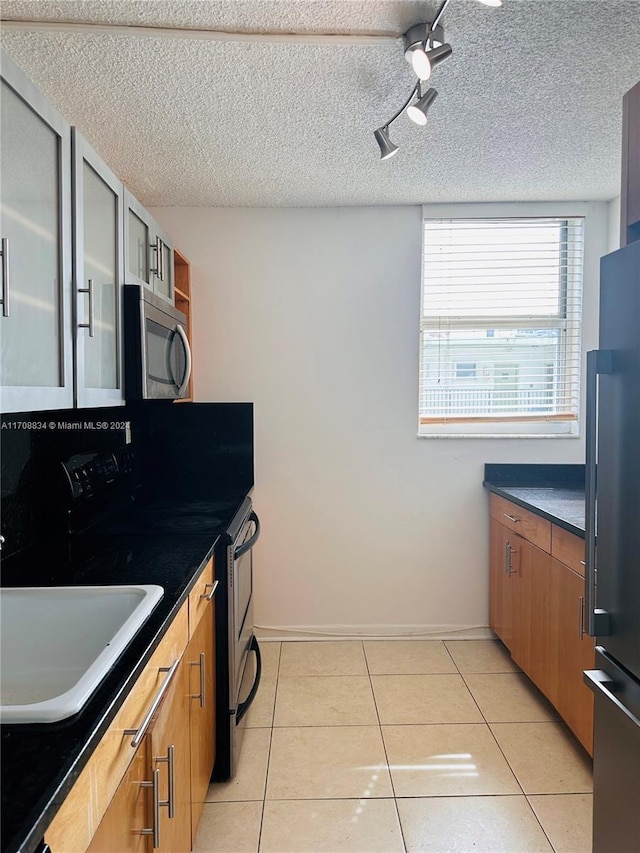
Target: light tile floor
<point>389,746</point>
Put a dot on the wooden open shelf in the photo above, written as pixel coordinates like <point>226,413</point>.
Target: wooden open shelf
<point>182,289</point>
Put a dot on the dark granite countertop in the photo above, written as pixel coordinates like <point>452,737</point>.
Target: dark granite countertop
<point>40,762</point>
<point>555,492</point>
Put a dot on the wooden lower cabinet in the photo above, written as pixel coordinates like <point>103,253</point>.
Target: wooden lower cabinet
<point>121,828</point>
<point>500,616</point>
<point>530,635</point>
<point>170,753</point>
<point>572,652</point>
<point>536,608</point>
<point>178,746</point>
<point>166,749</point>
<point>200,658</point>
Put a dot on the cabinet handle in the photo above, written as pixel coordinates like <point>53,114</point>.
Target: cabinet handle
<point>511,518</point>
<point>209,595</point>
<point>90,324</point>
<point>156,248</point>
<point>507,558</point>
<point>144,725</point>
<point>155,829</point>
<point>201,664</point>
<point>581,617</point>
<point>170,802</point>
<point>4,251</point>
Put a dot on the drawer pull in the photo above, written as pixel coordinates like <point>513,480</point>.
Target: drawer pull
<point>201,664</point>
<point>511,518</point>
<point>170,802</point>
<point>507,558</point>
<point>155,829</point>
<point>139,733</point>
<point>209,595</point>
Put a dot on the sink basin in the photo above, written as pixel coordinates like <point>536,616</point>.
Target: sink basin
<point>58,643</point>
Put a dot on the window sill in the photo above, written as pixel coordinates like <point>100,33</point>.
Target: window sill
<point>497,435</point>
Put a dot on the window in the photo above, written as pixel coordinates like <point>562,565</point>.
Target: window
<point>500,326</point>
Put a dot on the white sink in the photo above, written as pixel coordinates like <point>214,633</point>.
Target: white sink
<point>58,643</point>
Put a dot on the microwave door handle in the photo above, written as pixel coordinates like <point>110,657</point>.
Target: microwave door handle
<point>187,351</point>
<point>246,546</point>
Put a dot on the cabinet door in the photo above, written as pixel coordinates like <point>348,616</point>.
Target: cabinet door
<point>530,636</point>
<point>572,651</point>
<point>126,823</point>
<point>148,250</point>
<point>170,748</point>
<point>163,274</point>
<point>500,618</point>
<point>36,366</point>
<point>98,268</point>
<point>200,657</point>
<point>137,242</point>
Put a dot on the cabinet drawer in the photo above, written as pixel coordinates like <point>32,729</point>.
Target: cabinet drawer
<point>79,816</point>
<point>197,604</point>
<point>527,524</point>
<point>568,548</point>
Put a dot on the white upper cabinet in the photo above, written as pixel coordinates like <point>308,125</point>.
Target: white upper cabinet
<point>148,250</point>
<point>72,235</point>
<point>36,364</point>
<point>98,206</point>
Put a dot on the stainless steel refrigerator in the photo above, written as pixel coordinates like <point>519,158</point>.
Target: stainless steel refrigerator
<point>612,577</point>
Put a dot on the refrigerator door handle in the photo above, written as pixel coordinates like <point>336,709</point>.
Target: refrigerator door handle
<point>597,621</point>
<point>598,681</point>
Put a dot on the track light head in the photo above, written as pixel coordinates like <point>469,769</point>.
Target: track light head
<point>387,148</point>
<point>415,43</point>
<point>424,61</point>
<point>418,112</point>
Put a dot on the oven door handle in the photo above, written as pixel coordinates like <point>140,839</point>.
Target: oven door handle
<point>246,546</point>
<point>243,707</point>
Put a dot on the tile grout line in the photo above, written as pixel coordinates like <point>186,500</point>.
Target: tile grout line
<point>266,776</point>
<point>540,822</point>
<point>386,755</point>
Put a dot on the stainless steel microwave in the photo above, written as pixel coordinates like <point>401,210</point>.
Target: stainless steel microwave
<point>157,357</point>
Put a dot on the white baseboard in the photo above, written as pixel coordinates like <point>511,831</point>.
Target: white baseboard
<point>373,632</point>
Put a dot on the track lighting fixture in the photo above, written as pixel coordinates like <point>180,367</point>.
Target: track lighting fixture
<point>424,48</point>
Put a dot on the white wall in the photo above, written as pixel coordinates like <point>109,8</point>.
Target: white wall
<point>614,224</point>
<point>313,315</point>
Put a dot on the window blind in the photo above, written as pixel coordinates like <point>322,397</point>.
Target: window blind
<point>500,321</point>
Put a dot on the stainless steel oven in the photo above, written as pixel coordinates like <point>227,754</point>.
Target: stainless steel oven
<point>239,664</point>
<point>157,357</point>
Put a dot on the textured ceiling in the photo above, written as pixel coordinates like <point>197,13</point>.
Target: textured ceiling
<point>529,105</point>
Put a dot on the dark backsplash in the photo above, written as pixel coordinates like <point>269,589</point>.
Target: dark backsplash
<point>535,475</point>
<point>199,448</point>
